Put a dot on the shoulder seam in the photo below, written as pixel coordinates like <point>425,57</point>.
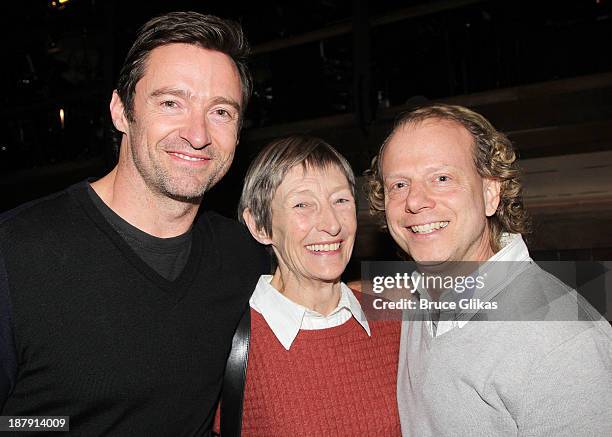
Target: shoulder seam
<point>577,297</point>
<point>12,213</point>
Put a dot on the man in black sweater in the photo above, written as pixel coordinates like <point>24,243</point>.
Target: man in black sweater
<point>118,301</point>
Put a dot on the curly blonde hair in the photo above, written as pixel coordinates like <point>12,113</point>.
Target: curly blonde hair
<point>494,158</point>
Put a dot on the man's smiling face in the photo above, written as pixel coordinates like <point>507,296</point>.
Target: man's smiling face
<point>436,203</point>
<point>186,120</point>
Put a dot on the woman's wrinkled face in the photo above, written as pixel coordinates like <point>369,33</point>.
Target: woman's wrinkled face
<point>313,224</point>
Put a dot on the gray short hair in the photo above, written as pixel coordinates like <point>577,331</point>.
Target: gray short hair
<point>270,167</point>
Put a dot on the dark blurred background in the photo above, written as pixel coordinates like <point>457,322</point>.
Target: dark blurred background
<point>541,71</point>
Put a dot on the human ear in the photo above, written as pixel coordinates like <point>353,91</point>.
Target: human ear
<point>259,234</point>
<point>491,189</point>
<point>117,111</point>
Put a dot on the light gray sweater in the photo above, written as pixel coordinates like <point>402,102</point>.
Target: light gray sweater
<point>540,367</point>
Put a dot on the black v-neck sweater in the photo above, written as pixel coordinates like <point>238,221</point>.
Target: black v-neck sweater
<point>100,336</point>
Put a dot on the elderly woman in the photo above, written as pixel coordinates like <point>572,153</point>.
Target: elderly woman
<point>316,366</point>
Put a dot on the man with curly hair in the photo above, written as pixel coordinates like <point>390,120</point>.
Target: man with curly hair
<point>446,183</point>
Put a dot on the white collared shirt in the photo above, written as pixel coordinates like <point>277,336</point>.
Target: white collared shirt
<point>286,317</point>
<point>513,249</point>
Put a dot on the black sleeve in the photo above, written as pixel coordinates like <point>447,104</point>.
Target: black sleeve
<point>8,354</point>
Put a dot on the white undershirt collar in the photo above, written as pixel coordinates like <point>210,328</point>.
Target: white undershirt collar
<point>513,249</point>
<point>286,317</point>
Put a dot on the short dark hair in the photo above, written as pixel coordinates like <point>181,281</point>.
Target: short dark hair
<point>206,31</point>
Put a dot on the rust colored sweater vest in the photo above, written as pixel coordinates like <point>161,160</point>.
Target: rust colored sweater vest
<point>332,382</point>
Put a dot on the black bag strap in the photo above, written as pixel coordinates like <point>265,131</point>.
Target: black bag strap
<point>234,379</point>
